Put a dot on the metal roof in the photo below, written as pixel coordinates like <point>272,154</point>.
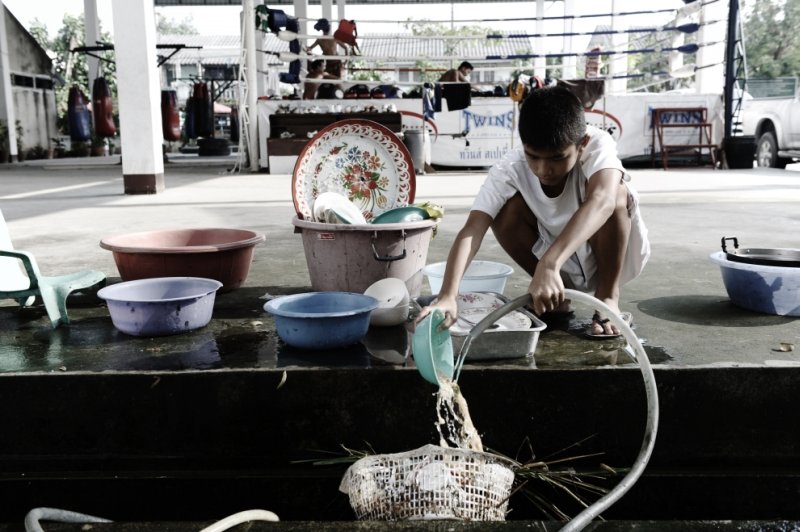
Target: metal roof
<point>225,49</point>
<point>173,3</point>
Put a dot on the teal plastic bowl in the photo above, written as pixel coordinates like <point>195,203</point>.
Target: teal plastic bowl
<point>321,320</point>
<point>402,215</point>
<point>433,349</point>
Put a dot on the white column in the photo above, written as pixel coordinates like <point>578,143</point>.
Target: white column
<point>250,73</point>
<point>92,34</point>
<point>301,12</point>
<point>711,79</point>
<point>339,11</point>
<point>539,63</point>
<point>139,96</point>
<point>327,10</point>
<point>262,64</point>
<point>569,64</point>
<point>7,111</point>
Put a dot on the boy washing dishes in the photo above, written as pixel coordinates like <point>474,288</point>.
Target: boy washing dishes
<point>561,207</point>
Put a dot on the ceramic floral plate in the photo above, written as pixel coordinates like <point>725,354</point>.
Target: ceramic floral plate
<point>474,306</point>
<point>360,159</point>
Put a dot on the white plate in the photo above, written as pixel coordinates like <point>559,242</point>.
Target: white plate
<point>474,306</point>
<point>332,208</point>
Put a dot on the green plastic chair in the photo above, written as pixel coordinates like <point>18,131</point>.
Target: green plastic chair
<point>25,286</point>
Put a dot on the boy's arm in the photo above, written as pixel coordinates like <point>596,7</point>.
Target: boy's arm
<point>465,246</point>
<point>547,288</point>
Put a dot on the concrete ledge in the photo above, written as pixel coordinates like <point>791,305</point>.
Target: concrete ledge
<point>224,440</point>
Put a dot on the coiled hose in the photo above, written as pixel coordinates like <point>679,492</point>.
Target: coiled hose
<point>651,426</point>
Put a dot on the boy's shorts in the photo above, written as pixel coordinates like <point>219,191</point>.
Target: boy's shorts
<point>580,270</point>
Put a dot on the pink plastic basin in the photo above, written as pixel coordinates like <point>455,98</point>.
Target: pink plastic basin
<point>214,253</point>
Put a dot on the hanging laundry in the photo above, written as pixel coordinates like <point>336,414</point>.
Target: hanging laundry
<point>458,95</point>
<point>347,33</point>
<point>293,76</point>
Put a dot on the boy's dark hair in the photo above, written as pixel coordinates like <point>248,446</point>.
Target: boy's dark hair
<point>551,118</point>
<point>466,64</point>
<point>316,63</point>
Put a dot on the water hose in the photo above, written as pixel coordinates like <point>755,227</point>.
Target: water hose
<point>241,517</point>
<point>54,514</point>
<point>651,426</point>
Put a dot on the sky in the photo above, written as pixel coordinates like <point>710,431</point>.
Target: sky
<point>224,20</point>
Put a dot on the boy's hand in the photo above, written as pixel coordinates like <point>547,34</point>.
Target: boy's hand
<point>546,289</point>
<point>448,306</point>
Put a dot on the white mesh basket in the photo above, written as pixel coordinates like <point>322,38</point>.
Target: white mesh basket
<point>431,482</point>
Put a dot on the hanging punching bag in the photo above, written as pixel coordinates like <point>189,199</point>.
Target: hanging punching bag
<point>197,105</point>
<point>234,123</point>
<point>170,119</point>
<point>188,119</point>
<point>203,111</point>
<point>103,109</point>
<point>80,122</point>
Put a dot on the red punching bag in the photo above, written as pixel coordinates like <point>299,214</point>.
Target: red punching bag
<point>103,109</point>
<point>170,119</point>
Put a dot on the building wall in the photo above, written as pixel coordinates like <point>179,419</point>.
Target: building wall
<point>32,86</point>
<point>36,112</point>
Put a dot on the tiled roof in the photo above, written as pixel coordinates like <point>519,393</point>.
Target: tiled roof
<point>413,49</point>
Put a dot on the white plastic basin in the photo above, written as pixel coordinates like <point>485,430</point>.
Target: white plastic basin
<point>481,276</point>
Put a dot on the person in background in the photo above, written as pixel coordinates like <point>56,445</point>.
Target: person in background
<point>329,47</point>
<point>316,70</point>
<point>560,205</point>
<point>460,74</point>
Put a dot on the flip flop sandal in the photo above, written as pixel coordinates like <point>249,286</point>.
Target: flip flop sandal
<point>627,317</point>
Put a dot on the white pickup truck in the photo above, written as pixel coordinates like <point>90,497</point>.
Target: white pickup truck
<point>771,113</point>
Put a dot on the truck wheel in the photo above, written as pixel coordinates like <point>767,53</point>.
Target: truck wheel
<point>767,152</point>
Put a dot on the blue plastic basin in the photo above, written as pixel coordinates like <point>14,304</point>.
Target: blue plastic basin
<point>321,320</point>
<point>766,289</point>
<point>162,305</point>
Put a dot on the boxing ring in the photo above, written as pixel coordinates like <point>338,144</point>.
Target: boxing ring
<point>681,53</point>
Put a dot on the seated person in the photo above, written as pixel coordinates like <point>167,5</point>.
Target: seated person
<point>461,74</point>
<point>561,206</point>
<point>316,70</point>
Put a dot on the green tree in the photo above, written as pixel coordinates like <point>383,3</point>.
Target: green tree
<point>72,67</point>
<point>771,38</point>
<point>452,47</point>
<point>169,26</point>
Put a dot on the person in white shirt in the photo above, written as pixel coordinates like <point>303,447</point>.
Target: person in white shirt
<point>561,206</point>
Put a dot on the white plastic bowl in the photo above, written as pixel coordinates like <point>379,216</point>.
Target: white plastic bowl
<point>767,289</point>
<point>393,298</point>
<point>481,276</point>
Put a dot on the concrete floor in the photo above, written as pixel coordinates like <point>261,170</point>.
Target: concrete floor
<point>722,431</point>
<point>59,211</point>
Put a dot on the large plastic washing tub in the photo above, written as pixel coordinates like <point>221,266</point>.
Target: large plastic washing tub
<point>349,258</point>
<point>762,288</point>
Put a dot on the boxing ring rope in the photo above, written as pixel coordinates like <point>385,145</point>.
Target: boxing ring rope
<point>688,28</point>
<point>694,6</point>
<point>654,43</point>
